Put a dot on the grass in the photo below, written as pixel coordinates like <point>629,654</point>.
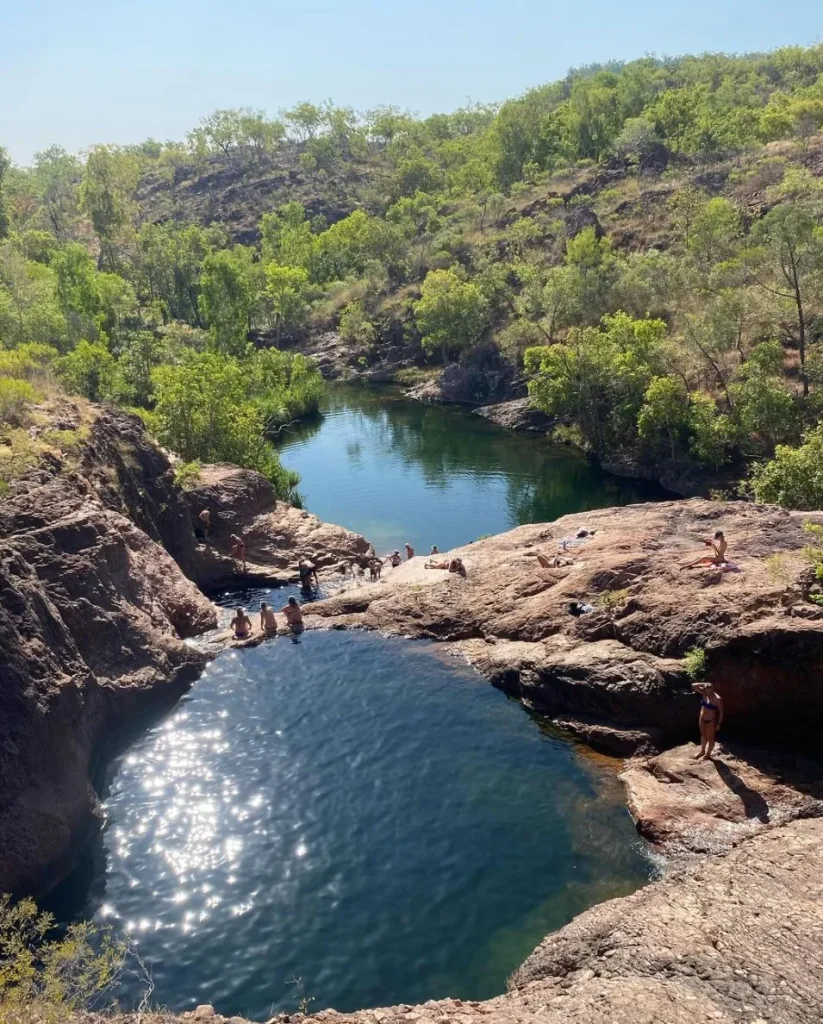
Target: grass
<point>27,441</point>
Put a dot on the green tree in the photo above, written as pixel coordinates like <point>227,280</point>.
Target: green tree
<point>714,231</point>
<point>227,297</point>
<point>56,176</point>
<point>451,314</point>
<point>664,416</point>
<point>89,370</point>
<point>106,195</point>
<point>794,477</point>
<point>355,325</point>
<point>287,298</point>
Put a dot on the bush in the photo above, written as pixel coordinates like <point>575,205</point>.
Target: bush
<point>15,395</point>
<point>694,661</point>
<point>187,475</point>
<point>47,980</point>
<point>794,477</point>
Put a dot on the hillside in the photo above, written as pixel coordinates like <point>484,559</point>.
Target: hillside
<point>638,246</point>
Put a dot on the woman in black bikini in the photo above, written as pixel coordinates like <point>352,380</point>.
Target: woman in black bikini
<point>711,717</point>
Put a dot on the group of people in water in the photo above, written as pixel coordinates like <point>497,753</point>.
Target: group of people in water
<point>242,628</point>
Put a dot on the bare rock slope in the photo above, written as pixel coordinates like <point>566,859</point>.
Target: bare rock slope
<point>614,673</point>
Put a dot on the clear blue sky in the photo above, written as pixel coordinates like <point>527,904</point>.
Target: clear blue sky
<point>82,71</point>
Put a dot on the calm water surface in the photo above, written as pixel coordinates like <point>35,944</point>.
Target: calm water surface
<point>361,813</point>
<point>398,471</point>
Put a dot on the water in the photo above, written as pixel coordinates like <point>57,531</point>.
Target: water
<point>366,814</point>
<point>362,813</point>
<point>397,471</point>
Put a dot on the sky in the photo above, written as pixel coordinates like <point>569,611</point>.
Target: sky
<point>121,71</point>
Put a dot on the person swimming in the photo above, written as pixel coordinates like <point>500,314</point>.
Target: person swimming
<point>719,545</point>
<point>268,621</point>
<point>293,614</point>
<point>241,625</point>
<point>709,719</point>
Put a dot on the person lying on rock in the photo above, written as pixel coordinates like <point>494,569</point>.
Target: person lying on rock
<point>553,562</point>
<point>268,622</point>
<point>238,549</point>
<point>452,564</point>
<point>718,545</point>
<point>394,558</point>
<point>308,574</point>
<point>294,615</point>
<point>241,625</point>
<point>409,552</point>
<point>710,718</point>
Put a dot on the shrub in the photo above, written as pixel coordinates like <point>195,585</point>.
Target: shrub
<point>15,395</point>
<point>187,475</point>
<point>694,661</point>
<point>48,980</point>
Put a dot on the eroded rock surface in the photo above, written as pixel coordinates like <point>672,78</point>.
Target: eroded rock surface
<point>277,535</point>
<point>93,610</point>
<point>683,805</point>
<point>619,665</point>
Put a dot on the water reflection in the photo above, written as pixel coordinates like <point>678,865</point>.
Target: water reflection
<point>396,470</point>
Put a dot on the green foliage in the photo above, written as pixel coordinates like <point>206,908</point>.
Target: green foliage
<point>451,314</point>
<point>355,326</point>
<point>694,662</point>
<point>286,298</point>
<point>89,370</point>
<point>187,475</point>
<point>15,395</point>
<point>228,291</point>
<point>285,386</point>
<point>48,980</point>
<point>794,477</point>
<point>203,412</point>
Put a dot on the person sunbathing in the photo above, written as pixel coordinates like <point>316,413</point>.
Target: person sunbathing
<point>718,546</point>
<point>452,564</point>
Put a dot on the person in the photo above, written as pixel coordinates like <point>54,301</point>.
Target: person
<point>238,549</point>
<point>375,568</point>
<point>241,624</point>
<point>710,718</point>
<point>394,558</point>
<point>293,614</point>
<point>718,545</point>
<point>268,621</point>
<point>308,572</point>
<point>452,564</point>
<point>409,552</point>
<point>205,522</point>
<point>555,562</point>
<point>433,551</point>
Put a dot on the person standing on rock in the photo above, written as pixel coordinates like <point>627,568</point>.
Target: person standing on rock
<point>394,558</point>
<point>205,522</point>
<point>238,549</point>
<point>308,572</point>
<point>409,552</point>
<point>710,718</point>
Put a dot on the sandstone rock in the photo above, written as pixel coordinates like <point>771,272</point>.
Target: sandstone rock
<point>686,806</point>
<point>277,535</point>
<point>92,612</point>
<point>517,414</point>
<point>620,665</point>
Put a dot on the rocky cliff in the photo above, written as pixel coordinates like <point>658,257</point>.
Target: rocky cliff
<point>98,570</point>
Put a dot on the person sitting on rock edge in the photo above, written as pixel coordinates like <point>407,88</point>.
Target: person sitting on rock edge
<point>241,625</point>
<point>293,614</point>
<point>268,621</point>
<point>238,549</point>
<point>434,551</point>
<point>710,718</point>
